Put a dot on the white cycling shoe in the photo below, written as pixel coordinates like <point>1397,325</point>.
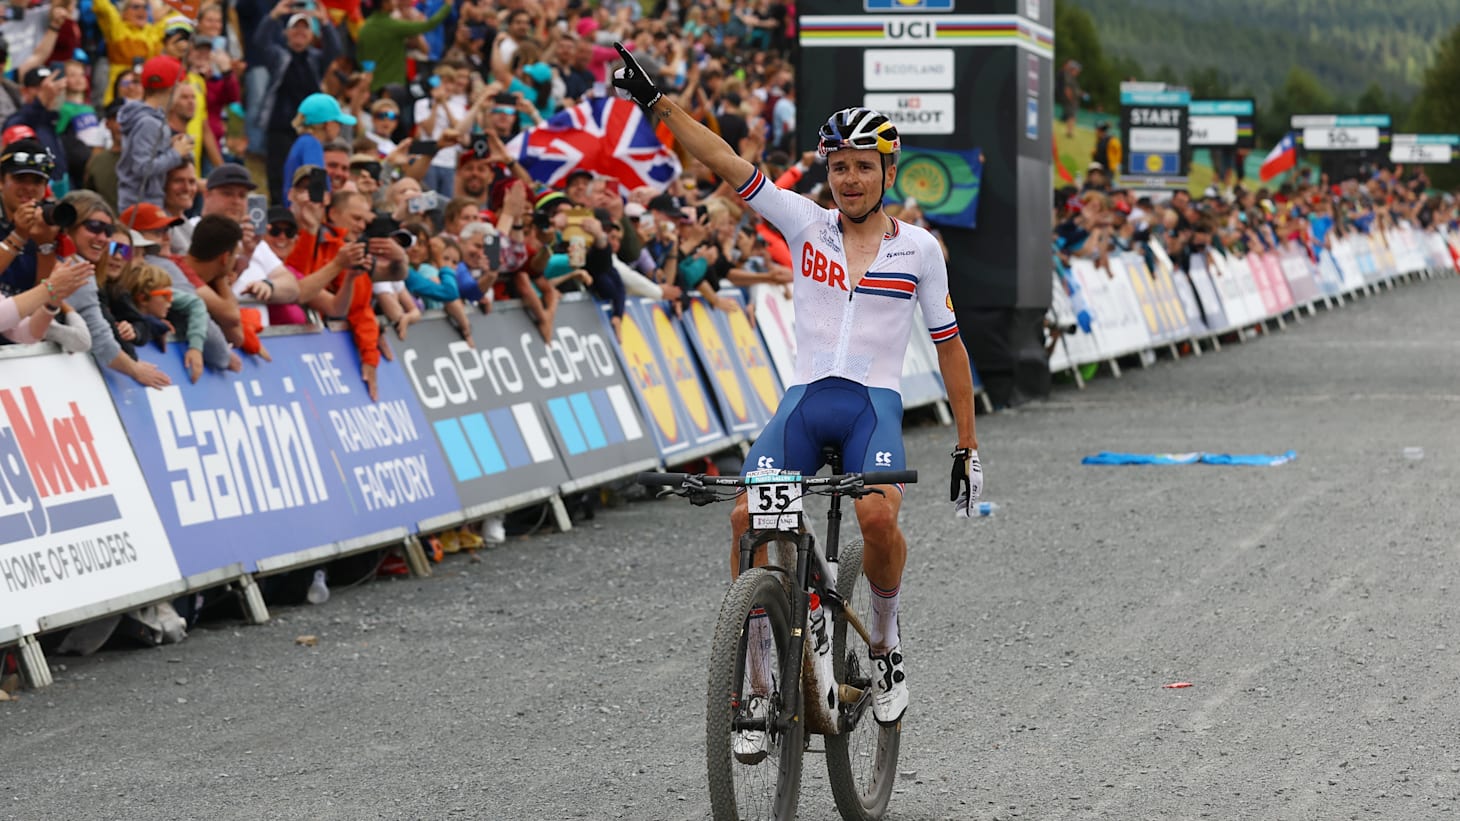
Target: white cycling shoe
<point>750,745</point>
<point>889,687</point>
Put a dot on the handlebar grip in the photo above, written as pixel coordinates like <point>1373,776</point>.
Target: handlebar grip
<point>890,477</point>
<point>661,479</point>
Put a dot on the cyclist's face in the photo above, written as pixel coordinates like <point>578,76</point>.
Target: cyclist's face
<point>857,178</point>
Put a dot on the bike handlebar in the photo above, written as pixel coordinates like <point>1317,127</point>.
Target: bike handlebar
<point>876,477</point>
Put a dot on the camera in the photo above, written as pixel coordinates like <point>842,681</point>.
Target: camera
<point>58,214</point>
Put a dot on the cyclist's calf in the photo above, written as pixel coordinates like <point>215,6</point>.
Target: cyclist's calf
<point>884,549</point>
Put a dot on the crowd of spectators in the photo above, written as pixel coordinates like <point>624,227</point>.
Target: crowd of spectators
<point>181,173</point>
<point>1100,218</point>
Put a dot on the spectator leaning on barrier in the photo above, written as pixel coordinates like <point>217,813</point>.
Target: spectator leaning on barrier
<point>29,315</point>
<point>339,232</point>
<point>151,229</point>
<point>149,149</point>
<point>90,235</point>
<point>155,308</point>
<point>263,277</point>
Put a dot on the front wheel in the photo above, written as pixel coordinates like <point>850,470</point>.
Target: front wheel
<point>862,759</point>
<point>749,691</point>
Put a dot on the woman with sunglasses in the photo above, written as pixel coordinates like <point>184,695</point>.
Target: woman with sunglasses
<point>91,235</point>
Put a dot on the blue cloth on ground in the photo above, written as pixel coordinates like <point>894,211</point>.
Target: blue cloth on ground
<point>1251,459</point>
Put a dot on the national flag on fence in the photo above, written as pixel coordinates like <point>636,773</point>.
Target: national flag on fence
<point>945,184</point>
<point>1282,158</point>
<point>605,135</point>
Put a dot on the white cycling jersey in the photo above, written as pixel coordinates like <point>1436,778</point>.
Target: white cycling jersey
<point>855,330</point>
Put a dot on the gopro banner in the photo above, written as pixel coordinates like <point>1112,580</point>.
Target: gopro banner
<point>483,405</point>
<point>76,524</point>
<point>283,456</point>
<point>582,390</point>
<point>666,382</point>
<point>741,407</point>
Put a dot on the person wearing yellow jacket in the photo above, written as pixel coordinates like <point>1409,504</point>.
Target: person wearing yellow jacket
<point>130,37</point>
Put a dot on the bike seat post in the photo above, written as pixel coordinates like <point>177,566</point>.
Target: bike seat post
<point>833,457</point>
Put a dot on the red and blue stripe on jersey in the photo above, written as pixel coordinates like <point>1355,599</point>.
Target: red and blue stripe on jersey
<point>882,283</point>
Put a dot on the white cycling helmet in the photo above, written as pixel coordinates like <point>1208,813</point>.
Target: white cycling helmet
<point>859,128</point>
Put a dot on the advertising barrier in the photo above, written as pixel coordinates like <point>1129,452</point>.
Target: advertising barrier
<point>1221,293</point>
<point>741,407</point>
<point>483,406</point>
<point>578,384</point>
<point>294,447</point>
<point>77,528</point>
<point>666,384</point>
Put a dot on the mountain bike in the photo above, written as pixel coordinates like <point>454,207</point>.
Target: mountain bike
<point>800,606</point>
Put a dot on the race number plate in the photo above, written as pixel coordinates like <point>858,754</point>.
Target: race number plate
<point>775,503</point>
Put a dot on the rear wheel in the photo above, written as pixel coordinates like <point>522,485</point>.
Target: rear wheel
<point>861,760</point>
<point>744,685</point>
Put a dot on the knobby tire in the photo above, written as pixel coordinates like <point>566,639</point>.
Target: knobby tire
<point>861,761</point>
<point>770,789</point>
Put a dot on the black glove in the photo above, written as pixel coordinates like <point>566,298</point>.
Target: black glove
<point>967,483</point>
<point>633,79</point>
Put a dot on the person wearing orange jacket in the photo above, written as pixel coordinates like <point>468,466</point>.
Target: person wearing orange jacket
<point>341,231</point>
<point>131,37</point>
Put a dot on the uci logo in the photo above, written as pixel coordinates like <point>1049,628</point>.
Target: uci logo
<point>884,458</point>
<point>814,264</point>
<point>766,463</point>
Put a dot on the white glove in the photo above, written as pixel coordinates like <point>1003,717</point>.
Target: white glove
<point>967,483</point>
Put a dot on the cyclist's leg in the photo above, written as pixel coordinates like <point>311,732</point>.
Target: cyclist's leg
<point>786,443</point>
<point>875,443</point>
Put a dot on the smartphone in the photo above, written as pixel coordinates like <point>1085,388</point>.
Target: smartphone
<point>425,148</point>
<point>493,246</point>
<point>427,201</point>
<point>506,98</point>
<point>319,181</point>
<point>577,215</point>
<point>367,65</point>
<point>258,210</point>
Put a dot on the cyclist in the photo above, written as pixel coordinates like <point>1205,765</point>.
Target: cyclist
<point>862,273</point>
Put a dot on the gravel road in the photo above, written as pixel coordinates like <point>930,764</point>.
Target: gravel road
<point>562,676</point>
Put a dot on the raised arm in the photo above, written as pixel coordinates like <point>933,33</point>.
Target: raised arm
<point>704,144</point>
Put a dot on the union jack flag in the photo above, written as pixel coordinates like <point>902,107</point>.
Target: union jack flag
<point>605,135</point>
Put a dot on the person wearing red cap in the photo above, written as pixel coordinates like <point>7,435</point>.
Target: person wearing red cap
<point>130,38</point>
<point>16,132</point>
<point>148,152</point>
